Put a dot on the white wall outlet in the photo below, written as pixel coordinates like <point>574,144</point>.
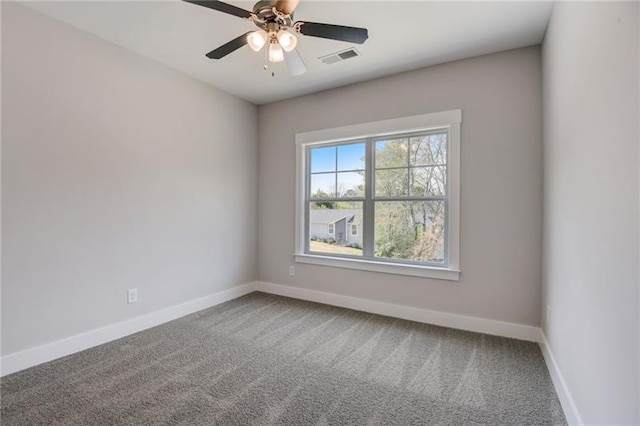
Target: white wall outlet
<point>292,270</point>
<point>132,295</point>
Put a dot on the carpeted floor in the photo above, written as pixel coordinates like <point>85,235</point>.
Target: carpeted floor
<point>265,359</point>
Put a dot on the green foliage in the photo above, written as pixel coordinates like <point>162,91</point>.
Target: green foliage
<point>321,204</point>
<point>404,167</point>
<point>392,153</point>
<point>411,230</point>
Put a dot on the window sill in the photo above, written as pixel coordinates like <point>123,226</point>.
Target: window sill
<point>382,267</point>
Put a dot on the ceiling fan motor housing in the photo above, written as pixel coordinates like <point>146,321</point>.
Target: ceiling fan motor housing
<point>264,10</point>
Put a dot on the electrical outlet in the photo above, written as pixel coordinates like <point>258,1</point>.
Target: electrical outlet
<point>132,295</point>
<point>292,270</point>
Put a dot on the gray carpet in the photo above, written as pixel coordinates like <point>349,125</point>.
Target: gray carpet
<point>264,359</point>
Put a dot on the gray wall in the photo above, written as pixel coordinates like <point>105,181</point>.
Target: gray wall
<point>591,77</point>
<point>117,172</point>
<point>501,223</point>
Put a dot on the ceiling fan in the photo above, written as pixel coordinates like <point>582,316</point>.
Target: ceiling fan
<point>274,18</point>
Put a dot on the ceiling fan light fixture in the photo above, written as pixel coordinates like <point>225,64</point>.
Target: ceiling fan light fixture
<point>276,53</point>
<point>287,40</point>
<point>257,40</point>
<point>274,19</point>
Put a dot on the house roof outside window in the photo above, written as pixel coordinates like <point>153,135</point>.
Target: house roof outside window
<point>334,215</point>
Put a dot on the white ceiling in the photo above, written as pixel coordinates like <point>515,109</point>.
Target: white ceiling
<point>403,35</point>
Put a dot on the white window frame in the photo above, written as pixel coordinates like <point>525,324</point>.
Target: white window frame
<point>353,226</point>
<point>331,228</point>
<point>450,120</point>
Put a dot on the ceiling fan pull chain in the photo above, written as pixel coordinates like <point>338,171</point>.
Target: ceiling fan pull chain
<point>266,63</point>
<point>266,60</point>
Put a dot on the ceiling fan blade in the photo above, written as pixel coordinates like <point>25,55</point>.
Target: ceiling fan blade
<point>295,63</point>
<point>286,6</point>
<point>222,7</point>
<point>334,32</point>
<point>229,47</point>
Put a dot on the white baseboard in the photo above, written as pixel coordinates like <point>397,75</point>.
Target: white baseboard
<point>50,351</point>
<point>480,325</point>
<point>564,395</point>
<point>31,357</point>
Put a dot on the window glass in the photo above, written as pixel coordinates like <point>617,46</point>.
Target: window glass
<point>407,208</point>
<point>412,230</point>
<point>323,185</point>
<point>351,184</point>
<point>391,182</point>
<point>392,153</point>
<point>351,156</point>
<point>331,227</point>
<point>428,180</point>
<point>323,159</point>
<point>428,150</point>
<point>388,202</point>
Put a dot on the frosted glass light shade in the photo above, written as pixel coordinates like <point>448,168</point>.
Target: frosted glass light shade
<point>287,40</point>
<point>275,53</point>
<point>257,40</point>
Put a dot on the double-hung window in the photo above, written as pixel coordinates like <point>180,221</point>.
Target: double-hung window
<point>381,196</point>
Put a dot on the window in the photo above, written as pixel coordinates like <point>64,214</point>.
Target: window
<point>397,181</point>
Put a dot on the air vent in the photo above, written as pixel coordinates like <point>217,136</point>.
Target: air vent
<point>340,56</point>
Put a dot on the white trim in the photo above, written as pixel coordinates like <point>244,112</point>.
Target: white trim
<point>453,209</point>
<point>564,395</point>
<point>382,267</point>
<point>299,220</point>
<point>462,322</point>
<point>451,120</point>
<point>394,125</point>
<point>33,356</point>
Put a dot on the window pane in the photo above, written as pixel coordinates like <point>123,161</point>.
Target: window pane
<point>323,159</point>
<point>351,184</point>
<point>391,182</point>
<point>428,181</point>
<point>410,230</point>
<point>391,153</point>
<point>323,185</point>
<point>351,156</point>
<point>428,150</point>
<point>338,218</point>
